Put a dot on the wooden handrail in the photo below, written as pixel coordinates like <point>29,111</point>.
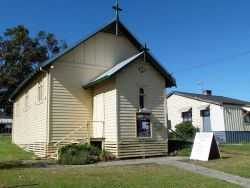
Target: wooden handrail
<point>85,124</point>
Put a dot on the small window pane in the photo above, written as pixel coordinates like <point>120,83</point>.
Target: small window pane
<point>141,98</point>
<point>187,116</point>
<point>205,113</point>
<point>141,91</point>
<point>247,118</point>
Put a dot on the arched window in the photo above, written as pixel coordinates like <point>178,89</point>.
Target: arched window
<point>141,98</point>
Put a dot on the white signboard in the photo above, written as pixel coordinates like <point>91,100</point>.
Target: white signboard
<point>204,147</point>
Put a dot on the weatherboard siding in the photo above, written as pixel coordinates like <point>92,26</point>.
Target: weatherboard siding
<point>107,112</point>
<point>175,103</point>
<point>71,105</point>
<point>30,125</point>
<point>107,90</point>
<point>129,81</point>
<point>103,49</point>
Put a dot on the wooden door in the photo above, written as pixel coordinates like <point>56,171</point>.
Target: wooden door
<point>98,116</point>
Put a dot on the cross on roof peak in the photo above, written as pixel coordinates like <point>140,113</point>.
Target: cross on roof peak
<point>117,9</point>
<point>145,49</point>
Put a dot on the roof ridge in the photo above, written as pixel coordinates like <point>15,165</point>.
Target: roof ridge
<point>211,98</point>
<point>136,42</point>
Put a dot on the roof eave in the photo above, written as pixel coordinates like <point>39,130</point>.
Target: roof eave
<point>170,80</point>
<point>92,84</point>
<point>194,98</point>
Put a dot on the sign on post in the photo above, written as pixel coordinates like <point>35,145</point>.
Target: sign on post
<point>205,147</point>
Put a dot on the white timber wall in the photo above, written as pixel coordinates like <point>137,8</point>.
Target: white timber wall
<point>71,105</point>
<point>30,121</point>
<point>102,50</point>
<point>175,103</point>
<point>128,83</point>
<point>217,117</point>
<point>105,109</point>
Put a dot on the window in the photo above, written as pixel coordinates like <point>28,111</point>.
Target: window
<point>187,116</point>
<point>246,117</point>
<point>141,98</point>
<point>205,113</point>
<point>143,125</point>
<point>26,102</point>
<point>40,92</point>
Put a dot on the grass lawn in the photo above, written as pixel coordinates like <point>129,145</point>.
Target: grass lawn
<point>236,148</point>
<point>10,152</point>
<point>236,160</point>
<point>147,175</point>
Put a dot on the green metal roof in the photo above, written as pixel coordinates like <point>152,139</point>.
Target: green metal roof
<point>169,82</point>
<point>118,67</point>
<point>108,74</point>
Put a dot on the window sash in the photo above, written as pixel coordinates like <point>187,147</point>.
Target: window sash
<point>205,113</point>
<point>187,116</point>
<point>247,118</point>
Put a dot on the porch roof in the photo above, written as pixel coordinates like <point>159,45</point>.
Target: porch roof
<point>108,74</point>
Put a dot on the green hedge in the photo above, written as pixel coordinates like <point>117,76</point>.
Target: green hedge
<point>81,154</point>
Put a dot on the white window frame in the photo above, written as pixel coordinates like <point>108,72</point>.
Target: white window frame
<point>244,117</point>
<point>182,114</point>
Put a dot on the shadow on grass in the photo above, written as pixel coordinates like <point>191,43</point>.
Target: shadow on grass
<point>13,164</point>
<point>26,185</point>
<point>21,164</point>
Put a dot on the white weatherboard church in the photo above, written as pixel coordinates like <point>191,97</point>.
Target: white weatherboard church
<point>106,90</point>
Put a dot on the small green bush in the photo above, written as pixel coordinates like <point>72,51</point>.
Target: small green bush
<point>186,130</point>
<point>185,151</point>
<point>81,154</point>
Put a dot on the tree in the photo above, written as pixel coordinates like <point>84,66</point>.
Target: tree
<point>19,55</point>
<point>186,130</point>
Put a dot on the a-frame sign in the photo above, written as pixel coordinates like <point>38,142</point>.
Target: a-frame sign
<point>205,147</point>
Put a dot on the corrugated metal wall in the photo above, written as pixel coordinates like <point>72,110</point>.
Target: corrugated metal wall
<point>220,136</point>
<point>232,136</point>
<point>237,136</point>
<point>234,119</point>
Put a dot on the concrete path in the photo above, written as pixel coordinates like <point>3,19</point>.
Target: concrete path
<point>173,161</point>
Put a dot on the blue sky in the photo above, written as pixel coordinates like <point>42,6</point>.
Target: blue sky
<point>180,33</point>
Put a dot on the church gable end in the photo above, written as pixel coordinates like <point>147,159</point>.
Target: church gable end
<point>104,49</point>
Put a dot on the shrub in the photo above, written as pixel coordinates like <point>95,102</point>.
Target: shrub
<point>186,130</point>
<point>185,151</point>
<point>179,147</point>
<point>81,154</point>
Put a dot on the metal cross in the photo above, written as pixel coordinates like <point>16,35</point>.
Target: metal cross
<point>145,49</point>
<point>117,9</point>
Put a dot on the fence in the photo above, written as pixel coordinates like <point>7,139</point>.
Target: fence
<point>5,129</point>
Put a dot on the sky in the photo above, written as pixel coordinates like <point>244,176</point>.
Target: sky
<point>180,33</point>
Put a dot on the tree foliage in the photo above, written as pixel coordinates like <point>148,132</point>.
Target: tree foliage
<point>186,130</point>
<point>20,54</point>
